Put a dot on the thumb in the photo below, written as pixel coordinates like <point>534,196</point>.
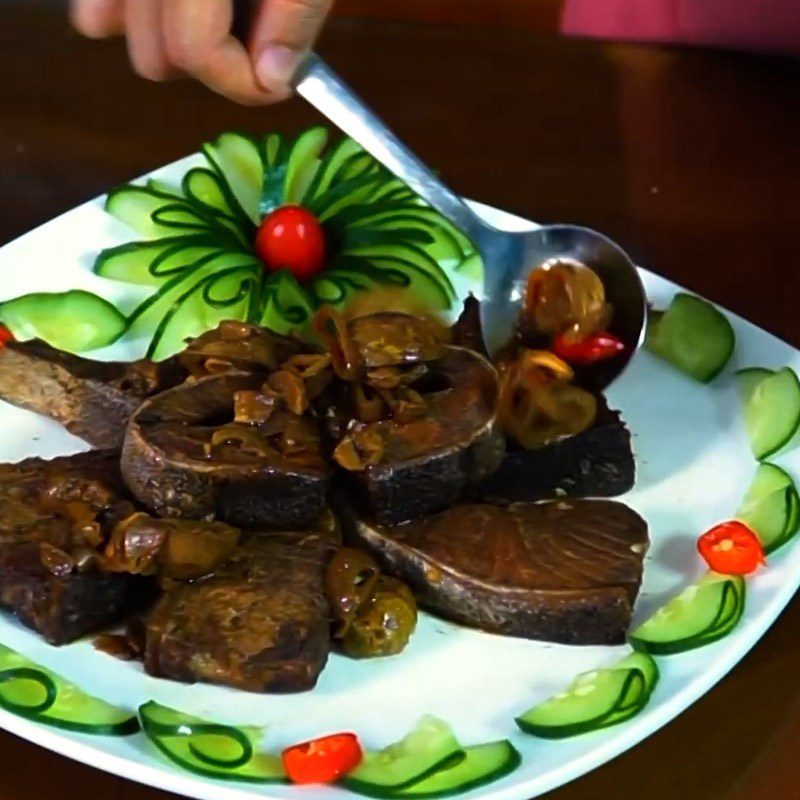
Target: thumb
<point>284,30</point>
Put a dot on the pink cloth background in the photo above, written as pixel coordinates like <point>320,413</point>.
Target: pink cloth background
<point>766,25</point>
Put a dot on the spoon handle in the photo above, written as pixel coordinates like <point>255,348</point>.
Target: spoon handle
<point>329,94</point>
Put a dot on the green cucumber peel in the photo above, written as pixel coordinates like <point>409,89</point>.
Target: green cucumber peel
<point>37,694</point>
<point>75,320</point>
<point>224,752</point>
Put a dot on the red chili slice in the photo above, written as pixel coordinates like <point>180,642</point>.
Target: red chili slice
<point>5,335</point>
<point>731,548</point>
<point>322,760</point>
<point>596,347</point>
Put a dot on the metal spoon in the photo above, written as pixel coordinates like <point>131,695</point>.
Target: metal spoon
<point>508,257</point>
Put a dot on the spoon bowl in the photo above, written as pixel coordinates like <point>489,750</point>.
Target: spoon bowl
<point>508,257</point>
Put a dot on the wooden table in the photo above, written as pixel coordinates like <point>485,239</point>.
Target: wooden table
<point>688,159</point>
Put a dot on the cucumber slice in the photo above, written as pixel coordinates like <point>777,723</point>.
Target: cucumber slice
<point>75,320</point>
<point>748,379</point>
<point>154,214</point>
<point>149,314</point>
<point>214,751</point>
<point>223,295</point>
<point>594,700</point>
<point>304,163</point>
<point>481,764</point>
<point>771,410</point>
<point>770,506</point>
<point>212,193</point>
<point>38,694</point>
<point>341,153</point>
<point>409,760</point>
<point>150,263</point>
<point>701,614</point>
<point>287,305</point>
<point>693,336</point>
<point>238,160</point>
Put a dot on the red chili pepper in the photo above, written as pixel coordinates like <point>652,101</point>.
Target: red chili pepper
<point>322,760</point>
<point>5,335</point>
<point>597,347</point>
<point>291,238</point>
<point>731,548</point>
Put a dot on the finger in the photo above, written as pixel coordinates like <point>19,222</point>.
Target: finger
<point>97,19</point>
<point>285,30</point>
<point>146,45</point>
<point>199,41</point>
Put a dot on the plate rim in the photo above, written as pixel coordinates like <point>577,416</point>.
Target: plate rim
<point>161,775</point>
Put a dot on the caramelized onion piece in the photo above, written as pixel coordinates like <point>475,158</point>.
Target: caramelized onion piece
<point>333,331</point>
<point>544,367</point>
<point>368,405</point>
<point>393,339</point>
<point>55,560</point>
<point>253,407</point>
<point>392,377</point>
<point>536,412</point>
<point>314,369</point>
<point>236,345</point>
<point>405,404</point>
<point>291,390</point>
<point>300,441</point>
<point>360,448</point>
<point>249,439</point>
<point>172,548</point>
<point>566,297</point>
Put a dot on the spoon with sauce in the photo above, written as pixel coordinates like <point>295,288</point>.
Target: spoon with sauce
<point>508,257</point>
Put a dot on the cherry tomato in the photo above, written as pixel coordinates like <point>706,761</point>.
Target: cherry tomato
<point>731,548</point>
<point>596,347</point>
<point>322,760</point>
<point>5,335</point>
<point>291,238</point>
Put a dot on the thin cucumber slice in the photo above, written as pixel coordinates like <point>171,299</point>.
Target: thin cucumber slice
<point>238,160</point>
<point>594,700</point>
<point>693,336</point>
<point>701,614</point>
<point>287,306</point>
<point>407,761</point>
<point>304,163</point>
<point>148,315</point>
<point>771,411</point>
<point>193,218</point>
<point>75,320</point>
<point>770,506</point>
<point>222,295</point>
<point>793,522</point>
<point>207,189</point>
<point>150,263</point>
<point>36,693</point>
<point>342,152</point>
<point>481,764</point>
<point>748,379</point>
<point>155,215</point>
<point>214,751</point>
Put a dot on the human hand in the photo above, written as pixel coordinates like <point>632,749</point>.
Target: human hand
<point>167,38</point>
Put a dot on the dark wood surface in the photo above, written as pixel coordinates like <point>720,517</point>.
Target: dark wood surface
<point>688,159</point>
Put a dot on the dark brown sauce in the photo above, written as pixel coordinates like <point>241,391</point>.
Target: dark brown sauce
<point>117,645</point>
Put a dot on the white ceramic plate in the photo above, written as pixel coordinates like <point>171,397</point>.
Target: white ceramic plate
<point>693,467</point>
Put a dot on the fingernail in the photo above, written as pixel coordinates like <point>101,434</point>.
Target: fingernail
<point>276,66</point>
